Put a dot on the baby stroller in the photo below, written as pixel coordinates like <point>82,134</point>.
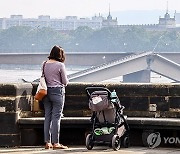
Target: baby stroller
<point>108,123</point>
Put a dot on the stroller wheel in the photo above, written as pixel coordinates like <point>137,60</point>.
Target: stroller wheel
<point>116,142</point>
<point>89,142</point>
<point>126,142</point>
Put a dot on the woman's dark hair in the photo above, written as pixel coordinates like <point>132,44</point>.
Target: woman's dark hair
<point>57,53</point>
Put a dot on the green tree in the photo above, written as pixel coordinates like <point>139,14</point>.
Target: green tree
<point>79,38</point>
<point>106,40</point>
<point>85,39</point>
<point>13,38</point>
<point>136,39</point>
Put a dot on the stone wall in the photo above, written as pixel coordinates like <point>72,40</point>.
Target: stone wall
<point>14,98</point>
<point>140,100</point>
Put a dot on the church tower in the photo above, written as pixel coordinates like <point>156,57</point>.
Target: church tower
<point>109,21</point>
<point>167,21</point>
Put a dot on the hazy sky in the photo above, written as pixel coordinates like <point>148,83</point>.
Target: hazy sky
<point>80,8</point>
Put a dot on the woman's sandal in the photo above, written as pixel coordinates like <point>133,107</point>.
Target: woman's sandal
<point>48,146</point>
<point>59,146</point>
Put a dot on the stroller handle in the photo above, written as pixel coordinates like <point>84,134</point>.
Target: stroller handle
<point>89,90</point>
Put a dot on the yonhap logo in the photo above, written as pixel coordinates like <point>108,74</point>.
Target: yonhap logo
<point>154,140</point>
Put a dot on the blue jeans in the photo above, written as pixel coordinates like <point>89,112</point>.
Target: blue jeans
<point>53,106</point>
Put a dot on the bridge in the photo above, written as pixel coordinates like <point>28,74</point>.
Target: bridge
<point>131,67</point>
<point>75,58</point>
<point>134,67</point>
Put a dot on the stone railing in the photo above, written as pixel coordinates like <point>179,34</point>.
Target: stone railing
<point>14,99</point>
<point>139,100</point>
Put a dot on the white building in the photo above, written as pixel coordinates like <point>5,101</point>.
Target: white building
<point>177,16</point>
<point>68,23</point>
<point>167,21</point>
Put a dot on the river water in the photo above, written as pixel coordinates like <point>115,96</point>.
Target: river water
<point>18,73</point>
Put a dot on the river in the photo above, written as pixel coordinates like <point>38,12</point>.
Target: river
<point>18,73</point>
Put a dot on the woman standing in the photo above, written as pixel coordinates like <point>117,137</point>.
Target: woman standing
<point>56,79</point>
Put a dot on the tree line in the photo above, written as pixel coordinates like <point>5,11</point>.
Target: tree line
<point>85,39</point>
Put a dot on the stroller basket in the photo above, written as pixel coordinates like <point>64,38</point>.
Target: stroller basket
<point>99,101</point>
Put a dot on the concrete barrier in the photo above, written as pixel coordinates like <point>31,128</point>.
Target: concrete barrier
<point>145,104</point>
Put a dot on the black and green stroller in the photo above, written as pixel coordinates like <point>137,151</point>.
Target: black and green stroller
<point>109,126</point>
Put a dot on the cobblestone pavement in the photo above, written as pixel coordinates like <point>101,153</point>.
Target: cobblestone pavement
<point>82,149</point>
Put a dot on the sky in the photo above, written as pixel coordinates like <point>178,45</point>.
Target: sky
<point>81,8</point>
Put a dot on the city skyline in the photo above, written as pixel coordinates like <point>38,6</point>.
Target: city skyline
<point>127,12</point>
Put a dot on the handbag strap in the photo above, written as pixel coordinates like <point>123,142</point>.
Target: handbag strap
<point>43,69</point>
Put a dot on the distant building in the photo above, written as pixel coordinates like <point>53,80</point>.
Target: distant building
<point>109,22</point>
<point>167,21</point>
<point>96,22</point>
<point>177,16</point>
<point>68,23</point>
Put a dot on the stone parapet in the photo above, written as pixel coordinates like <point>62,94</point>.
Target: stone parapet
<point>140,100</point>
<point>14,99</point>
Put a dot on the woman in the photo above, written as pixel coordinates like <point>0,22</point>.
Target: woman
<point>56,79</point>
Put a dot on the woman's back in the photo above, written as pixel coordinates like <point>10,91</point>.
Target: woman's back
<point>55,74</point>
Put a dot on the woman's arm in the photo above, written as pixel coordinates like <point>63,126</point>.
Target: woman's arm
<point>64,78</point>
